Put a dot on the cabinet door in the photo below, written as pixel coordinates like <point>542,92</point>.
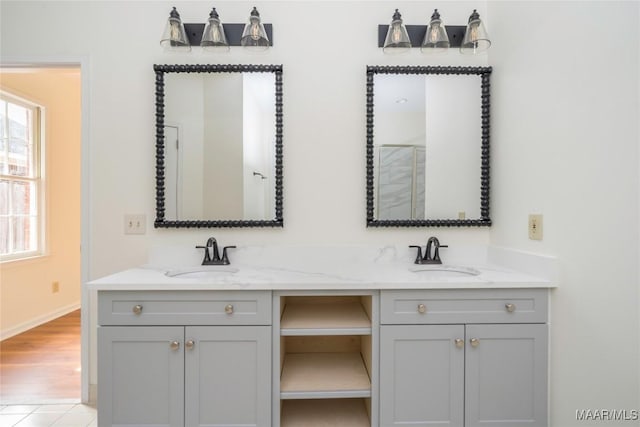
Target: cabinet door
<point>422,375</point>
<point>228,376</point>
<point>506,375</point>
<point>140,376</point>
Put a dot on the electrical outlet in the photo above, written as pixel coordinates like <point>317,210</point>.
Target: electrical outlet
<point>535,226</point>
<point>55,287</point>
<point>135,224</point>
<point>462,215</point>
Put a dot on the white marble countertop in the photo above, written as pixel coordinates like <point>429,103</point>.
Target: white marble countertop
<point>295,268</point>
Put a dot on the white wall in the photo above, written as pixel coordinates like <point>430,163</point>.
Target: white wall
<point>453,150</point>
<point>324,110</point>
<point>258,148</point>
<point>222,192</point>
<point>184,108</point>
<point>565,144</point>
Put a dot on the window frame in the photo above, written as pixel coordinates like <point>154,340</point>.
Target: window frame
<point>37,177</point>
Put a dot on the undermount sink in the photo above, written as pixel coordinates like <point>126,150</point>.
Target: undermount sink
<point>202,272</point>
<point>441,270</point>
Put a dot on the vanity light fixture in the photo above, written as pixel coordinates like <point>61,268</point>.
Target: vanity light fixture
<point>174,37</point>
<point>213,36</point>
<point>397,39</point>
<point>254,36</point>
<point>476,38</point>
<point>434,37</point>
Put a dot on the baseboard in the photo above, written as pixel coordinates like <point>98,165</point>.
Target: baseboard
<point>93,395</point>
<point>37,321</point>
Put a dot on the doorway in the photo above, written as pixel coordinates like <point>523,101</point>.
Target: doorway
<point>41,288</point>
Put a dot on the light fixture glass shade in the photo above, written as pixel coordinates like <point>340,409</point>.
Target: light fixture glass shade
<point>213,37</point>
<point>475,38</point>
<point>436,39</point>
<point>174,37</point>
<point>397,40</point>
<point>254,36</point>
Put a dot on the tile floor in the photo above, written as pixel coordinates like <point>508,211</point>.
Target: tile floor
<point>55,415</point>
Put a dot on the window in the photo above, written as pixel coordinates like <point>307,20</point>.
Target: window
<point>21,229</point>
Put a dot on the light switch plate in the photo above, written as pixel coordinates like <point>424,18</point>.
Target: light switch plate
<point>135,224</point>
<point>535,226</point>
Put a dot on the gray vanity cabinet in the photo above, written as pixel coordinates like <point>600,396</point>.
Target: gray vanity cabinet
<point>421,375</point>
<point>463,358</point>
<point>140,376</point>
<point>506,375</point>
<point>189,374</point>
<point>228,376</point>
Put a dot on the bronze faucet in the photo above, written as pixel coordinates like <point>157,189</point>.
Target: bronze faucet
<point>432,252</point>
<point>212,255</point>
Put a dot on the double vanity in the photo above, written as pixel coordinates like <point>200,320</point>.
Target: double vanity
<point>340,336</point>
<point>324,336</point>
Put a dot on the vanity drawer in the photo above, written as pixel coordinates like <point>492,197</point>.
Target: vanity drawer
<point>184,308</point>
<point>464,306</point>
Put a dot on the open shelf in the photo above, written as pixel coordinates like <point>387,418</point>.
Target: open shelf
<point>324,375</point>
<point>326,412</point>
<point>326,348</point>
<point>332,317</point>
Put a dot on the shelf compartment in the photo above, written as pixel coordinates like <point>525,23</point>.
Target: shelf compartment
<point>325,316</point>
<point>326,412</point>
<point>324,375</point>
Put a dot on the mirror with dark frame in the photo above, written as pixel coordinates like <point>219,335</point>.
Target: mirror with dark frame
<point>428,146</point>
<point>218,146</point>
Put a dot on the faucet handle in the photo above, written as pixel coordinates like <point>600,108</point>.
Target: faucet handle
<point>419,255</point>
<point>436,253</point>
<point>225,258</point>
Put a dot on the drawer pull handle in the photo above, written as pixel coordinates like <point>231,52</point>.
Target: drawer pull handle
<point>228,309</point>
<point>189,345</point>
<point>474,342</point>
<point>459,342</point>
<point>422,308</point>
<point>175,345</point>
<point>137,309</point>
<point>510,307</point>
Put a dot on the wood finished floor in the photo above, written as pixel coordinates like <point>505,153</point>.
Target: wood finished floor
<point>42,364</point>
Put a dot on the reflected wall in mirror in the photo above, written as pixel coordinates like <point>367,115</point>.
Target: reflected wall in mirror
<point>218,145</point>
<point>428,146</point>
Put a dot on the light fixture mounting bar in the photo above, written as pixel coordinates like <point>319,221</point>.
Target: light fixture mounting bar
<point>417,32</point>
<point>233,32</point>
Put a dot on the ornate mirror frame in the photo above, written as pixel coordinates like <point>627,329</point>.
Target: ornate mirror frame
<point>160,71</point>
<point>484,73</point>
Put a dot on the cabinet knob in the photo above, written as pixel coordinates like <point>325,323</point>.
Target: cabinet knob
<point>474,342</point>
<point>422,308</point>
<point>175,345</point>
<point>228,309</point>
<point>459,342</point>
<point>189,344</point>
<point>510,307</point>
<point>137,309</point>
